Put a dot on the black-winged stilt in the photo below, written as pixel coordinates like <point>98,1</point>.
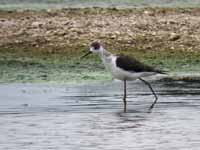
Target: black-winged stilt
<point>124,68</point>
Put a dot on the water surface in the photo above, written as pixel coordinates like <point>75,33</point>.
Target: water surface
<point>43,4</point>
<point>88,117</point>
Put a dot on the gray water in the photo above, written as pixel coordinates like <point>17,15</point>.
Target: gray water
<point>44,4</point>
<point>90,117</point>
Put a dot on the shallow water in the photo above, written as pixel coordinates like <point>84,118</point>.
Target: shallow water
<point>90,117</point>
<point>42,4</point>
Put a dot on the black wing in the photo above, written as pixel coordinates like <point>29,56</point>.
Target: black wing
<point>130,64</point>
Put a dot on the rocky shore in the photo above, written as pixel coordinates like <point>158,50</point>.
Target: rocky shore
<point>143,29</point>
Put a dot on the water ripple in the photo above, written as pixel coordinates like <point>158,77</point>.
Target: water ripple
<point>91,117</point>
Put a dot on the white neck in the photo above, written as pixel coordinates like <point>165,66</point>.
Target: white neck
<point>104,54</point>
<point>106,58</point>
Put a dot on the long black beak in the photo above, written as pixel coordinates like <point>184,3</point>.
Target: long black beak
<point>86,54</point>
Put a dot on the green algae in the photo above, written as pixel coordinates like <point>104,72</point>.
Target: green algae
<point>54,68</point>
<point>27,67</point>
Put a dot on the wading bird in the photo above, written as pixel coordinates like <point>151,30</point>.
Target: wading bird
<point>124,68</point>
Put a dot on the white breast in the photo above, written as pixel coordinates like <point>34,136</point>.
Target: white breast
<point>110,64</point>
<point>117,72</point>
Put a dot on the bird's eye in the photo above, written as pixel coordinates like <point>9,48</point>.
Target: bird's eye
<point>96,48</point>
<point>95,45</point>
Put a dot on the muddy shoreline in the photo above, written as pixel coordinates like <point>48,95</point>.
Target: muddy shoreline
<point>167,38</point>
<point>143,29</point>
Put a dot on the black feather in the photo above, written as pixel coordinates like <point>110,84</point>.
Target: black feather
<point>130,64</point>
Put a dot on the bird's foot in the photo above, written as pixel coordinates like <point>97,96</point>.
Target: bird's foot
<point>124,106</point>
<point>151,107</point>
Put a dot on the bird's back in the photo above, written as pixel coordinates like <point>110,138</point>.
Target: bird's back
<point>132,65</point>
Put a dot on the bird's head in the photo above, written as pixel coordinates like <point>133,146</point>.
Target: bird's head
<point>95,48</point>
